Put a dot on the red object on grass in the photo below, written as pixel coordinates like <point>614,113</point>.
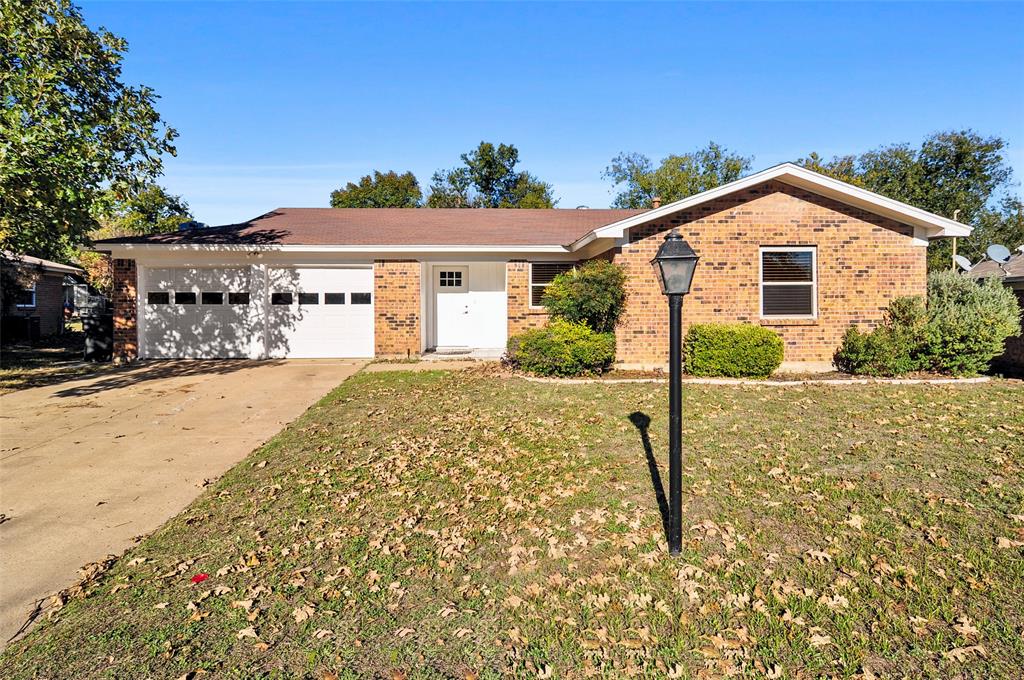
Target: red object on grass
<point>199,578</point>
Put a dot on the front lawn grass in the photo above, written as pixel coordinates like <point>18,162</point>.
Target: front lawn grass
<point>440,524</point>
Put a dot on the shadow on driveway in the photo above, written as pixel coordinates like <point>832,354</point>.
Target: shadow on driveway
<point>159,370</point>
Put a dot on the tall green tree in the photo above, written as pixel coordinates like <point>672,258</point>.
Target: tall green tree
<point>957,174</point>
<point>70,129</point>
<point>150,211</point>
<point>380,190</point>
<point>639,182</point>
<point>488,179</point>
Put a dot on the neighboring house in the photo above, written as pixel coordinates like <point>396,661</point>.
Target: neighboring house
<point>37,290</point>
<point>786,248</point>
<point>1012,276</point>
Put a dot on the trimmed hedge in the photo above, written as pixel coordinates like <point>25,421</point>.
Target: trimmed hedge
<point>561,348</point>
<point>962,329</point>
<point>731,350</point>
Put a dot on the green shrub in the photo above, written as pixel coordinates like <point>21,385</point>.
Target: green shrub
<point>894,348</point>
<point>561,348</point>
<point>593,294</point>
<point>962,329</point>
<point>968,322</point>
<point>731,350</point>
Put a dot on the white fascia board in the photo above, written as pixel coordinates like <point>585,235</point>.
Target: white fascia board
<point>128,250</point>
<point>935,226</point>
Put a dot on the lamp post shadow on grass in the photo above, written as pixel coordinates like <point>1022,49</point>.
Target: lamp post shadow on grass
<point>642,422</point>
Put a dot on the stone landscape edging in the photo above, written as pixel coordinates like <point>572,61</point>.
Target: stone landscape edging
<point>773,383</point>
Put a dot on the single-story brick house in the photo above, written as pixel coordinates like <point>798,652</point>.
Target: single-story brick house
<point>37,290</point>
<point>786,248</point>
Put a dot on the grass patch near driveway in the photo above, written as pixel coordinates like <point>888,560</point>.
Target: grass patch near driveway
<point>54,360</point>
<point>440,524</point>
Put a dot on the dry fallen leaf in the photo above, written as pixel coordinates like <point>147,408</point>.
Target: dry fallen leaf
<point>300,614</point>
<point>963,654</point>
<point>249,632</point>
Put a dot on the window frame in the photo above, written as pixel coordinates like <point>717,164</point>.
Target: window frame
<point>813,283</point>
<point>194,294</point>
<point>158,292</point>
<point>531,285</point>
<point>27,289</point>
<point>204,293</point>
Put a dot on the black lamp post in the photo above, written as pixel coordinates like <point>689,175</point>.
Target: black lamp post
<point>674,265</point>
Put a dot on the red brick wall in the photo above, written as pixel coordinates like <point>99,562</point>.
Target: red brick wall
<point>124,298</point>
<point>396,294</point>
<point>49,305</point>
<point>517,286</point>
<point>863,261</point>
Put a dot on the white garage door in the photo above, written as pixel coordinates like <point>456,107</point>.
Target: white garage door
<point>198,313</point>
<point>320,312</point>
<point>232,312</point>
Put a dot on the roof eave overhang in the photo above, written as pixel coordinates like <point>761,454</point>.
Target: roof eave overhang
<point>926,225</point>
<point>131,248</point>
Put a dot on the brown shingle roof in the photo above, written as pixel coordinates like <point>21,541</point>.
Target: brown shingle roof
<point>1012,269</point>
<point>397,226</point>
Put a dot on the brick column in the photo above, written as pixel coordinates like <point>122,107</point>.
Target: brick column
<point>125,301</point>
<point>517,286</point>
<point>396,300</point>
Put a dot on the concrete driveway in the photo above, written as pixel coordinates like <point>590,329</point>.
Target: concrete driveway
<point>87,465</point>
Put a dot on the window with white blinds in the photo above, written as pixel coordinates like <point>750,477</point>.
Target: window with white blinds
<point>789,282</point>
<point>543,273</point>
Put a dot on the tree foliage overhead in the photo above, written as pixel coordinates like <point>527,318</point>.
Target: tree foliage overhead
<point>957,174</point>
<point>380,190</point>
<point>70,130</point>
<point>675,178</point>
<point>150,211</point>
<point>488,179</point>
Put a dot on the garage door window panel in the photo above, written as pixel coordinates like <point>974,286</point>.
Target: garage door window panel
<point>309,298</point>
<point>334,298</point>
<point>238,298</point>
<point>158,298</point>
<point>361,298</point>
<point>182,297</point>
<point>280,298</point>
<point>212,298</point>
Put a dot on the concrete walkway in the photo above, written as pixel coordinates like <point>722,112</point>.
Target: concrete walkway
<point>87,465</point>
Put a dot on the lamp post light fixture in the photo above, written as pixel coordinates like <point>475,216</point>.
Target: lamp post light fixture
<point>674,264</point>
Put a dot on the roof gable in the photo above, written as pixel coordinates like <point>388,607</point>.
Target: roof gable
<point>930,224</point>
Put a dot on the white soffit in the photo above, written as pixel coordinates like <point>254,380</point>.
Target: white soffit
<point>934,225</point>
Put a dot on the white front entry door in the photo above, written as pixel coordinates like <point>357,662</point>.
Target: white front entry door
<point>470,305</point>
<point>451,289</point>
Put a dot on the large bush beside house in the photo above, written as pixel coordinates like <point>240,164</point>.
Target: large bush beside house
<point>895,347</point>
<point>593,294</point>
<point>731,350</point>
<point>584,304</point>
<point>960,331</point>
<point>561,348</point>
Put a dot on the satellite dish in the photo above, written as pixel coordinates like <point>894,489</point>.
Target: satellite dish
<point>998,253</point>
<point>964,263</point>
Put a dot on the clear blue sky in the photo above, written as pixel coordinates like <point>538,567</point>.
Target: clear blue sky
<point>279,103</point>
